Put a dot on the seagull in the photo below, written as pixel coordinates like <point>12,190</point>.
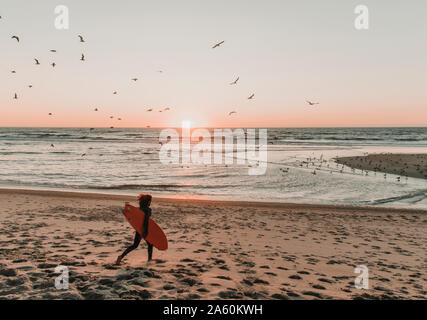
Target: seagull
<point>81,39</point>
<point>83,57</point>
<point>16,96</point>
<point>134,79</point>
<point>311,103</point>
<point>149,110</point>
<point>235,81</point>
<point>218,44</point>
<point>251,96</point>
<point>37,61</point>
<point>230,113</point>
<point>53,64</point>
<point>15,37</point>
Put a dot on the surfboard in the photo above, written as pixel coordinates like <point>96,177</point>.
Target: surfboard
<point>155,235</point>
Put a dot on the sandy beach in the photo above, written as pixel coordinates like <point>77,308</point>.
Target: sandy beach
<point>217,249</point>
<point>409,165</point>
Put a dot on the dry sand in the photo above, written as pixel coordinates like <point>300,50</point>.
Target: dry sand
<point>217,249</point>
<point>410,165</point>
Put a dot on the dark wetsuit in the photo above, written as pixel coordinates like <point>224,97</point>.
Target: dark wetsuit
<point>138,238</point>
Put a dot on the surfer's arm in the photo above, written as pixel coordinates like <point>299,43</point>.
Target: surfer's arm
<point>145,226</point>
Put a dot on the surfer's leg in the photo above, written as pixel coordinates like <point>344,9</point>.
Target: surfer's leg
<point>150,250</point>
<point>135,245</point>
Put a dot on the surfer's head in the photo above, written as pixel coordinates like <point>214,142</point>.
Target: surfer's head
<point>144,200</point>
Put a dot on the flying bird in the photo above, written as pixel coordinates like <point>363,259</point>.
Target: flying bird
<point>218,44</point>
<point>230,113</point>
<point>251,96</point>
<point>37,61</point>
<point>15,37</point>
<point>83,57</point>
<point>235,81</point>
<point>81,39</point>
<point>311,103</point>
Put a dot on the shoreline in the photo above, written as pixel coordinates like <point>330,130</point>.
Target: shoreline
<point>412,165</point>
<point>222,203</point>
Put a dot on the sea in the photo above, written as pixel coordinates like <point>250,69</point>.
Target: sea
<point>127,161</point>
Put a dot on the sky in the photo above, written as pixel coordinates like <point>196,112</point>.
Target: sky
<point>284,52</point>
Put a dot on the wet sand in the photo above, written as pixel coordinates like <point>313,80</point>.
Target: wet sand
<point>410,165</point>
<point>217,249</point>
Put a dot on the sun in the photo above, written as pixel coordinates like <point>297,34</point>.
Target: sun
<point>186,124</point>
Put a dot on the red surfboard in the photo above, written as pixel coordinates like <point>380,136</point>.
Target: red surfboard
<point>155,235</point>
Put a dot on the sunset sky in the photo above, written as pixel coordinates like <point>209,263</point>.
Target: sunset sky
<point>285,52</point>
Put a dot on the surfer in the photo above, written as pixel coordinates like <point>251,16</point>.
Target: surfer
<point>144,205</point>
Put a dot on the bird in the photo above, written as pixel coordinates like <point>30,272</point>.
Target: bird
<point>30,86</point>
<point>235,81</point>
<point>160,71</point>
<point>81,39</point>
<point>53,50</point>
<point>230,113</point>
<point>251,96</point>
<point>149,110</point>
<point>114,92</point>
<point>52,145</point>
<point>217,44</point>
<point>311,103</point>
<point>96,109</point>
<point>134,79</point>
<point>15,37</point>
<point>83,57</point>
<point>83,154</point>
<point>13,71</point>
<point>50,114</point>
<point>53,64</point>
<point>16,96</point>
<point>119,119</point>
<point>37,61</point>
<point>111,117</point>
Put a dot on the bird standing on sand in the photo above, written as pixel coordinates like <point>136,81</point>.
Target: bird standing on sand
<point>53,50</point>
<point>235,81</point>
<point>96,109</point>
<point>83,57</point>
<point>312,103</point>
<point>37,61</point>
<point>15,37</point>
<point>251,96</point>
<point>30,86</point>
<point>53,64</point>
<point>134,79</point>
<point>50,114</point>
<point>217,44</point>
<point>15,97</point>
<point>81,39</point>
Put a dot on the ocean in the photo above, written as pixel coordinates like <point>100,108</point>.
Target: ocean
<point>126,161</point>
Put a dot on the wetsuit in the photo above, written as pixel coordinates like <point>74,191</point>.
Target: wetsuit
<point>138,238</point>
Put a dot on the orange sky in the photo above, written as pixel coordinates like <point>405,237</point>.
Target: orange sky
<point>284,52</point>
